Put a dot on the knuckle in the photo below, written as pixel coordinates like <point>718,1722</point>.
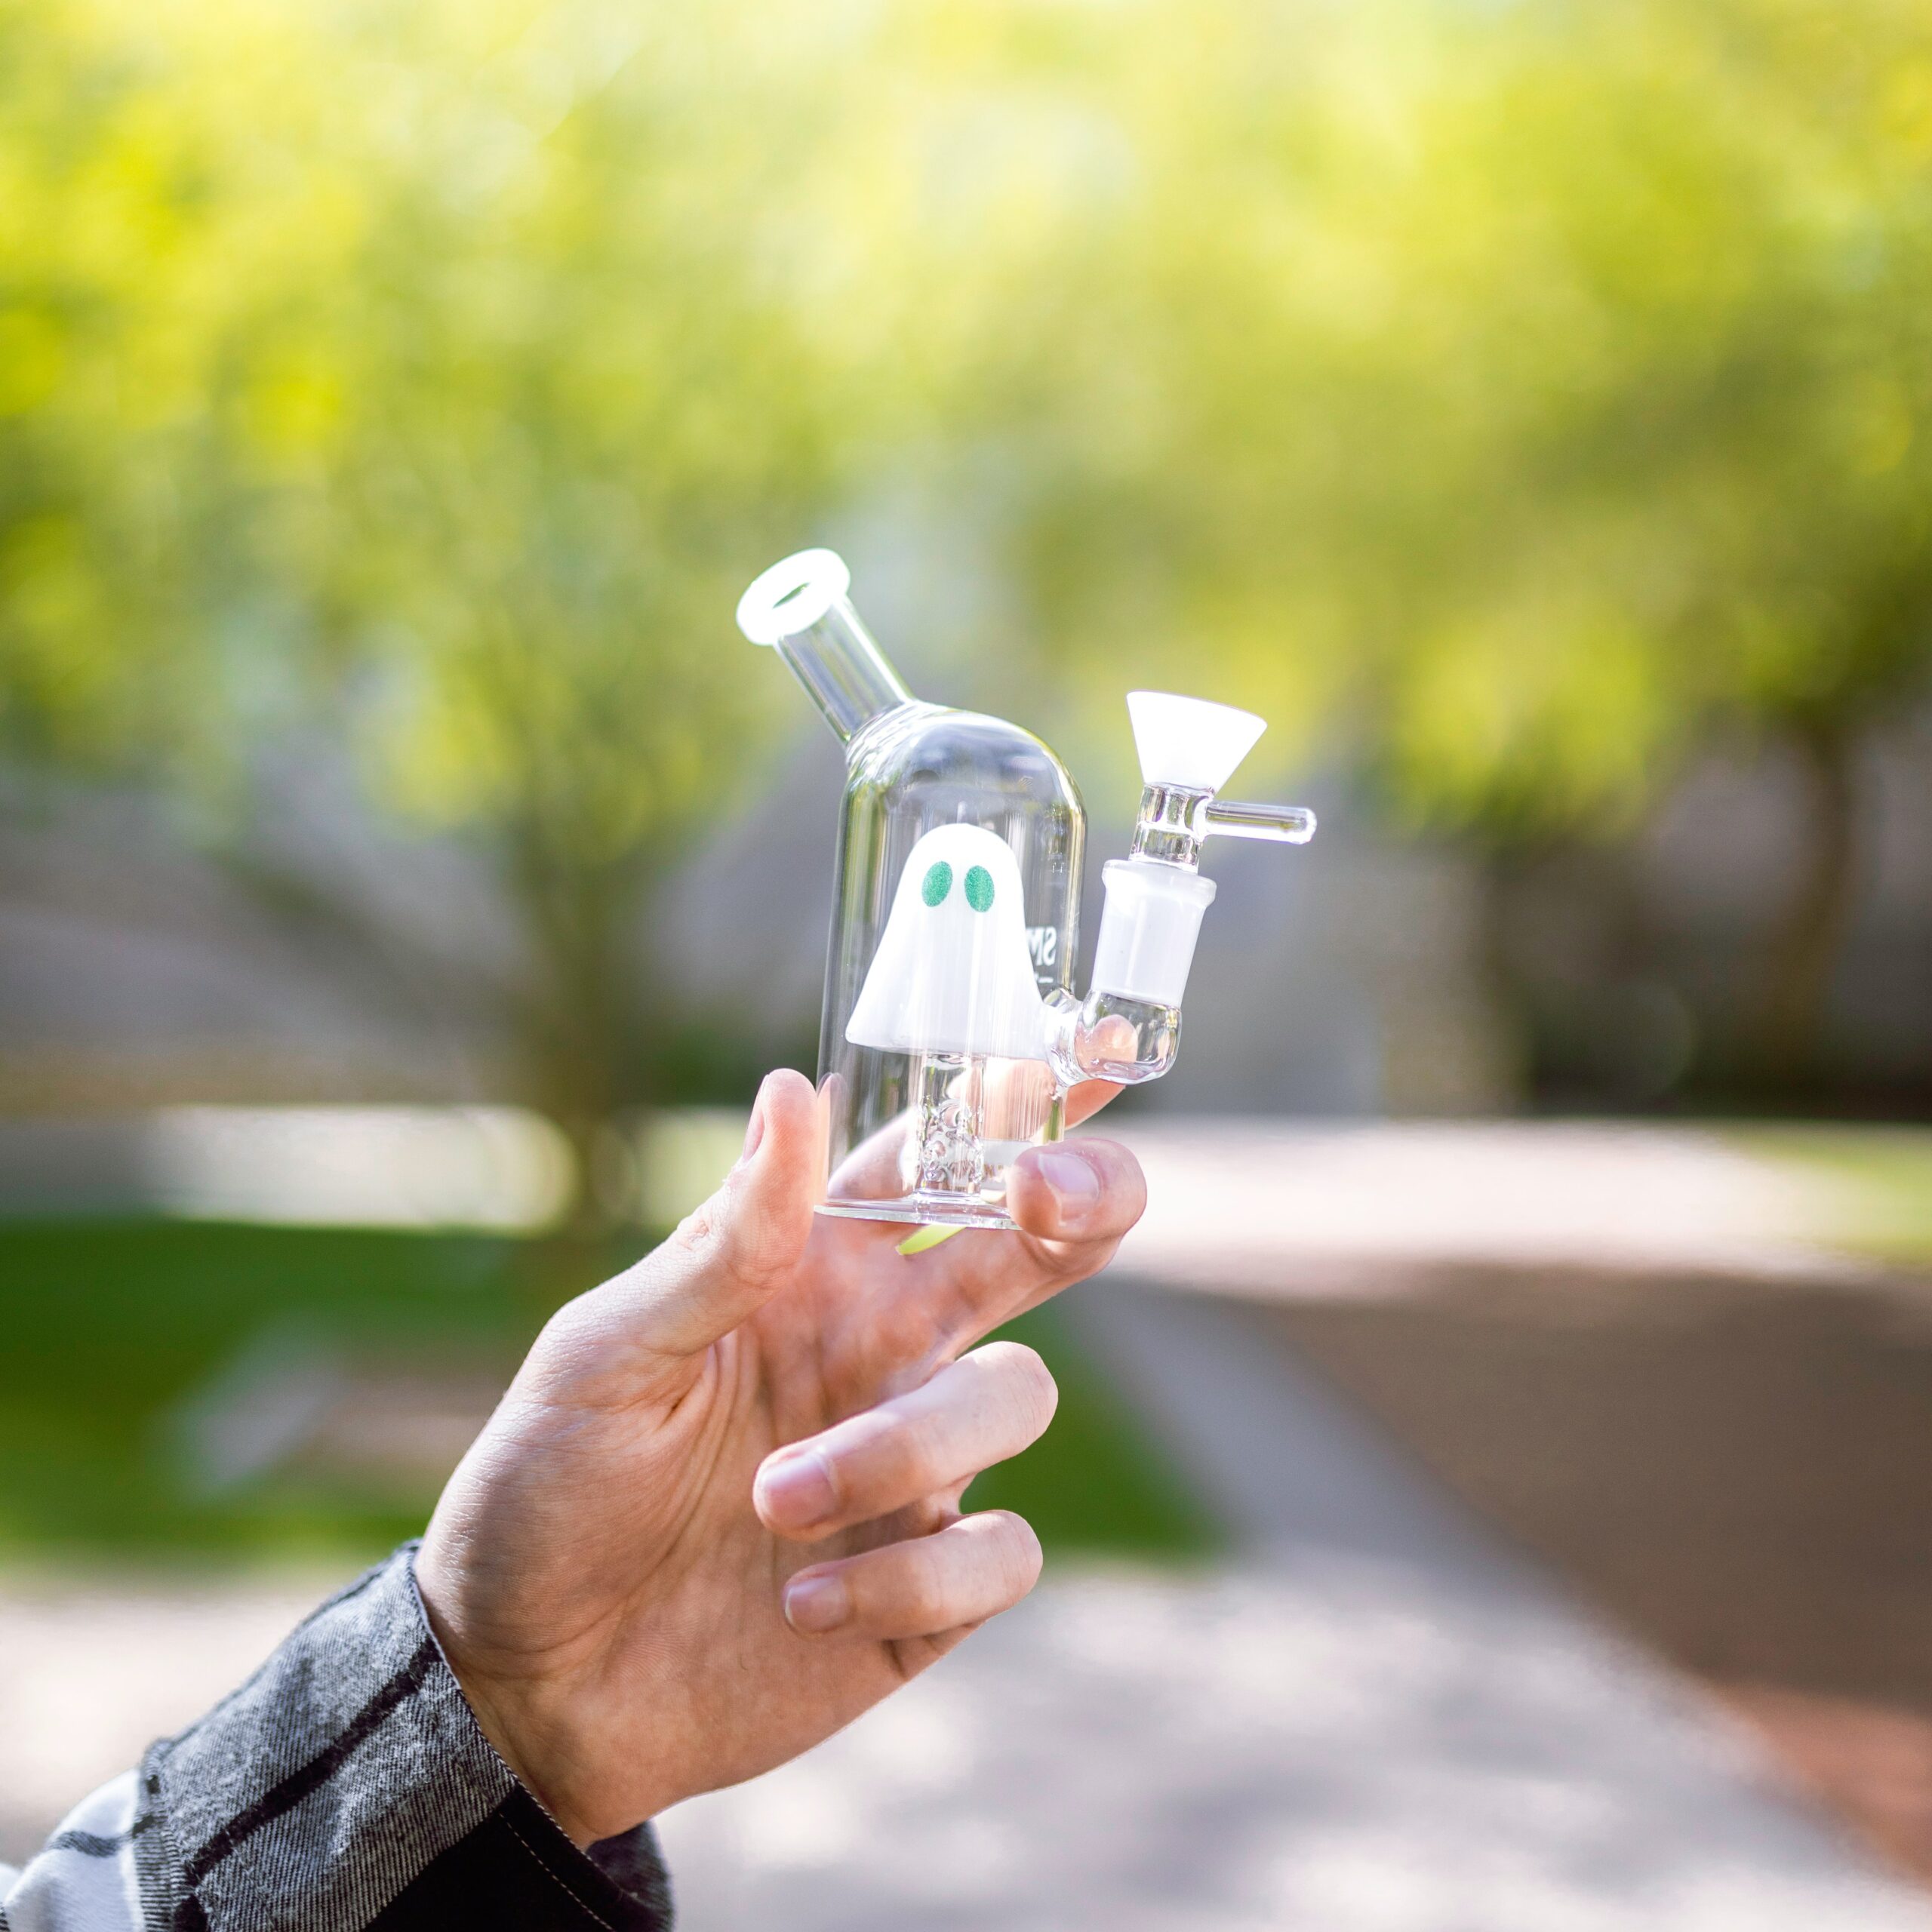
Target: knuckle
<point>566,1342</point>
<point>721,1233</point>
<point>877,1460</point>
<point>561,1333</point>
<point>914,1460</point>
<point>921,1596</point>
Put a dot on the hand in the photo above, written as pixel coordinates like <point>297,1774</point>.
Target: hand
<point>716,1516</point>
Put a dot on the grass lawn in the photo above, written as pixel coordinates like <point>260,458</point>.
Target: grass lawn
<point>117,1332</point>
<point>1872,1186</point>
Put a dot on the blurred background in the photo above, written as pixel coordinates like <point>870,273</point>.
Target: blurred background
<point>1494,1489</point>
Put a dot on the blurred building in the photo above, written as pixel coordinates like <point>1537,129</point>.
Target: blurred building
<point>327,956</point>
<point>1643,969</point>
<point>319,957</point>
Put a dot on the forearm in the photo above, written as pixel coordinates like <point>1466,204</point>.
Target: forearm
<point>346,1785</point>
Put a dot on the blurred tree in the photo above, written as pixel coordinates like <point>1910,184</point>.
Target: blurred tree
<point>1524,392</point>
<point>1519,394</point>
<point>129,265</point>
<point>579,412</point>
<point>430,370</point>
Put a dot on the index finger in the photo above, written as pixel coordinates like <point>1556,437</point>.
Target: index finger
<point>1074,1200</point>
<point>1086,1099</point>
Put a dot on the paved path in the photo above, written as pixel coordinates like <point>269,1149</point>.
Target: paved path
<point>91,1671</point>
<point>1380,1722</point>
<point>1282,1208</point>
<point>1350,1206</point>
<point>1377,1721</point>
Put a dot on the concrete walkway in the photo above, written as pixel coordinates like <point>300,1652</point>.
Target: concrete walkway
<point>1347,1207</point>
<point>93,1670</point>
<point>1286,1209</point>
<point>1379,1721</point>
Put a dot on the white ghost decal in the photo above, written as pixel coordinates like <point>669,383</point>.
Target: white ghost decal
<point>952,974</point>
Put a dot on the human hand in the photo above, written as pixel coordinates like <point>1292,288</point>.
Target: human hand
<point>716,1515</point>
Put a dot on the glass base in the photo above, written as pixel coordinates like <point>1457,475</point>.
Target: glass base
<point>925,1210</point>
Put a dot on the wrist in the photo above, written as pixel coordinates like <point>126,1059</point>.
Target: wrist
<point>508,1716</point>
<point>517,1737</point>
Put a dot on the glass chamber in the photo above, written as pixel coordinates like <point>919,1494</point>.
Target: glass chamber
<point>950,1033</point>
<point>955,917</point>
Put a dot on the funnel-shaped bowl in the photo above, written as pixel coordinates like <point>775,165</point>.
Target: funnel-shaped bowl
<point>1189,742</point>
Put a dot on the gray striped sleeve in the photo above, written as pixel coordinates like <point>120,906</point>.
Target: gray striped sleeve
<point>84,1879</point>
<point>346,1787</point>
<point>314,1793</point>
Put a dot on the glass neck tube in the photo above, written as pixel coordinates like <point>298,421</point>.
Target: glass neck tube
<point>843,670</point>
<point>1168,830</point>
<point>1174,818</point>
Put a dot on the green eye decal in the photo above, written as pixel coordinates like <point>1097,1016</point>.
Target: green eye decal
<point>939,883</point>
<point>979,888</point>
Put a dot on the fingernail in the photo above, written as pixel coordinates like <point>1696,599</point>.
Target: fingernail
<point>755,1127</point>
<point>798,1490</point>
<point>815,1604</point>
<point>1075,1186</point>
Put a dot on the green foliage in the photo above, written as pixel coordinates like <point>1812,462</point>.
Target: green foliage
<point>1528,388</point>
<point>112,1327</point>
<point>115,1330</point>
<point>1865,1189</point>
<point>1518,392</point>
<point>125,251</point>
<point>431,366</point>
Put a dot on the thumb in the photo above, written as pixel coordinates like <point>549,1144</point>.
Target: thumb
<point>726,1258</point>
<point>730,1255</point>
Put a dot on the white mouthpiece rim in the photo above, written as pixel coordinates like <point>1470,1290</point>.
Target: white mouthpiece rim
<point>793,595</point>
<point>1190,741</point>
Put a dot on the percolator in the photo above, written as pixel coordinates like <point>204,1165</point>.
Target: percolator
<point>950,1033</point>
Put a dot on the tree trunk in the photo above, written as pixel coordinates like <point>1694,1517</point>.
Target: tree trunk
<point>578,1037</point>
<point>1804,951</point>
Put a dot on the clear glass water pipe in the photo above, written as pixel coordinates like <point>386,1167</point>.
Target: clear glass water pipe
<point>950,1033</point>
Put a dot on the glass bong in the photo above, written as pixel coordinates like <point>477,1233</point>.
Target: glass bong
<point>950,1033</point>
